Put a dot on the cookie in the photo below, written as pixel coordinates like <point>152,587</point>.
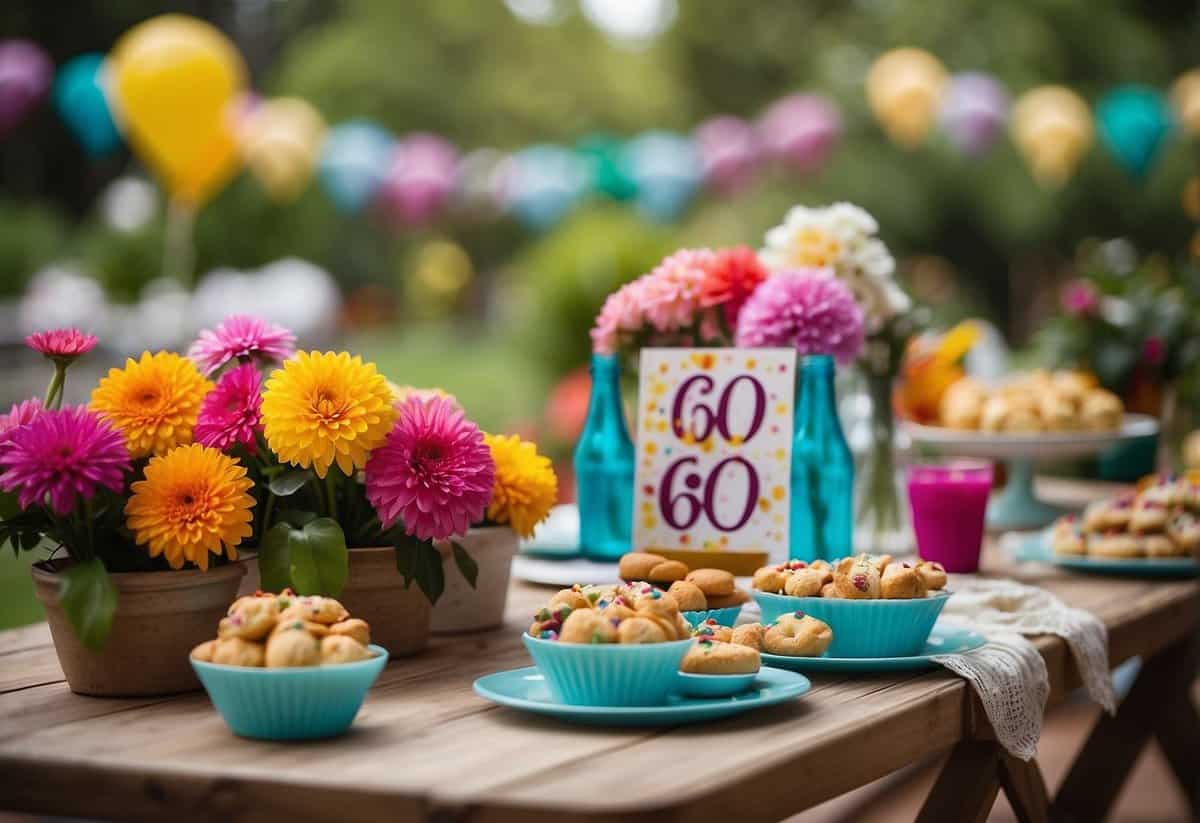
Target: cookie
<point>640,630</point>
<point>748,634</point>
<point>1148,515</point>
<point>805,583</point>
<point>547,621</point>
<point>713,582</point>
<point>1160,545</point>
<point>1115,544</point>
<point>711,657</point>
<point>825,568</point>
<point>317,609</point>
<point>340,648</point>
<point>573,597</point>
<point>1067,537</point>
<point>829,590</point>
<point>292,649</point>
<point>353,628</point>
<point>688,596</point>
<point>901,581</point>
<point>728,601</point>
<point>856,578</point>
<point>250,618</point>
<point>315,629</point>
<point>1184,529</point>
<point>236,651</point>
<point>712,630</point>
<point>204,652</point>
<point>770,579</point>
<point>797,635</point>
<point>588,626</point>
<point>1101,410</point>
<point>650,567</point>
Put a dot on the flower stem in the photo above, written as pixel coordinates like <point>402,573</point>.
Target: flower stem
<point>54,391</point>
<point>331,492</point>
<point>268,508</point>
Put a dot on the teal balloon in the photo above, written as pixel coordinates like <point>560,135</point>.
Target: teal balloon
<point>1133,122</point>
<point>668,171</point>
<point>80,101</point>
<point>609,176</point>
<point>546,183</point>
<point>355,159</point>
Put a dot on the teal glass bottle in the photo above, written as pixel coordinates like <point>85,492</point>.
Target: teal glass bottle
<point>822,468</point>
<point>604,467</point>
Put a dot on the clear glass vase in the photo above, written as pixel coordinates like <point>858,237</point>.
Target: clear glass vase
<point>881,516</point>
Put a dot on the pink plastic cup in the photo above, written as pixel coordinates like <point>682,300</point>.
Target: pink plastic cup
<point>949,503</point>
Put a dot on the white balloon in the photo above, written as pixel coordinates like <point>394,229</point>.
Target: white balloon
<point>60,296</point>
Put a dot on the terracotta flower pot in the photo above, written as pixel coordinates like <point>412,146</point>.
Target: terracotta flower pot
<point>160,617</point>
<point>463,609</point>
<point>375,592</point>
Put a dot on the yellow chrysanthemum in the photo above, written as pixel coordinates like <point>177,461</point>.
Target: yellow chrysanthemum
<point>153,402</point>
<point>320,408</point>
<point>526,487</point>
<point>193,501</point>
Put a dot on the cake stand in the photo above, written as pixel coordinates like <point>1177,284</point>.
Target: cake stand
<point>1017,506</point>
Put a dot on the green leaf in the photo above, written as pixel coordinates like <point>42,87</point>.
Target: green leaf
<point>418,560</point>
<point>296,518</point>
<point>290,482</point>
<point>311,559</point>
<point>89,599</point>
<point>9,507</point>
<point>466,563</point>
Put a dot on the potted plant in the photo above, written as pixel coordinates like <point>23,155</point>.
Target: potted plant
<point>524,491</point>
<point>142,524</point>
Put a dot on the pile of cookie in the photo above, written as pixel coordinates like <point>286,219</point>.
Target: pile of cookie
<point>726,650</point>
<point>694,590</point>
<point>1034,402</point>
<point>627,613</point>
<point>1161,520</point>
<point>865,577</point>
<point>280,631</point>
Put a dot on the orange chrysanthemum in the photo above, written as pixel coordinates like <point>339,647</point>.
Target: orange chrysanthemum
<point>153,402</point>
<point>321,408</point>
<point>525,488</point>
<point>193,502</point>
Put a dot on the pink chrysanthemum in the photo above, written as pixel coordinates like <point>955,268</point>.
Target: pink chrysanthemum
<point>622,312</point>
<point>808,309</point>
<point>434,473</point>
<point>21,414</point>
<point>232,412</point>
<point>61,344</point>
<point>671,292</point>
<point>241,337</point>
<point>62,457</point>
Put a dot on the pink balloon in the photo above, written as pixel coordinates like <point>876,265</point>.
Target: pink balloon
<point>420,180</point>
<point>974,110</point>
<point>729,152</point>
<point>801,130</point>
<point>25,76</point>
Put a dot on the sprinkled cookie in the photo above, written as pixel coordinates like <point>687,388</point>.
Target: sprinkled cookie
<point>688,596</point>
<point>714,657</point>
<point>338,648</point>
<point>797,635</point>
<point>234,651</point>
<point>934,574</point>
<point>901,581</point>
<point>748,634</point>
<point>804,583</point>
<point>250,618</point>
<point>641,630</point>
<point>292,649</point>
<point>588,626</point>
<point>856,578</point>
<point>317,609</point>
<point>353,628</point>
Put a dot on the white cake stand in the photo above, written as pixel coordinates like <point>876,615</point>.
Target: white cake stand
<point>1017,506</point>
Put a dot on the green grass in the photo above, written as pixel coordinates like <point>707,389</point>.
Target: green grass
<point>18,606</point>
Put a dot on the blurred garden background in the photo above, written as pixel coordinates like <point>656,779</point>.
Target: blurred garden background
<point>491,297</point>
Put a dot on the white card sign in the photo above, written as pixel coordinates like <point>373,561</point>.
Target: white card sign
<point>714,449</point>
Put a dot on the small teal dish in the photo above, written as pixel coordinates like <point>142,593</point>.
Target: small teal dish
<point>724,617</point>
<point>714,685</point>
<point>942,640</point>
<point>864,628</point>
<point>290,704</point>
<point>608,674</point>
<point>528,690</point>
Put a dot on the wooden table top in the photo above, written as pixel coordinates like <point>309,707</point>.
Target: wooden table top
<point>424,746</point>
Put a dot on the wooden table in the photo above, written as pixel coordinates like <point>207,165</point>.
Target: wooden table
<point>425,748</point>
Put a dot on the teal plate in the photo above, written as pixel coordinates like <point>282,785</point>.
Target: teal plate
<point>1036,549</point>
<point>942,640</point>
<point>525,689</point>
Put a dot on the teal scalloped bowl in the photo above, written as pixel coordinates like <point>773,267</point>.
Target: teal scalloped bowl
<point>304,703</point>
<point>608,674</point>
<point>724,617</point>
<point>864,628</point>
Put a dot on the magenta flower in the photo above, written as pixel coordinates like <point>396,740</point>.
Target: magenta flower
<point>21,414</point>
<point>807,309</point>
<point>62,457</point>
<point>434,472</point>
<point>61,344</point>
<point>232,412</point>
<point>1080,298</point>
<point>241,337</point>
<point>1154,351</point>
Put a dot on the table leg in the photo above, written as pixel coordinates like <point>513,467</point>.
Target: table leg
<point>1025,788</point>
<point>1160,704</point>
<point>971,778</point>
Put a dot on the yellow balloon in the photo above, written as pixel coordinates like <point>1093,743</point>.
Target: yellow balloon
<point>1185,98</point>
<point>1052,127</point>
<point>904,91</point>
<point>280,141</point>
<point>174,78</point>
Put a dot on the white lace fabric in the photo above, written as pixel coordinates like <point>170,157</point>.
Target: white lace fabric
<point>1009,674</point>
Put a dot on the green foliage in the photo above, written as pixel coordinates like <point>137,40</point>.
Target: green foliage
<point>418,561</point>
<point>31,235</point>
<point>310,557</point>
<point>89,600</point>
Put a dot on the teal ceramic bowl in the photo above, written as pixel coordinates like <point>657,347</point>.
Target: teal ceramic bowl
<point>724,617</point>
<point>290,704</point>
<point>864,628</point>
<point>608,674</point>
<point>714,685</point>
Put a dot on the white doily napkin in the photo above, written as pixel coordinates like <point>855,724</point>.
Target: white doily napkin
<point>1008,673</point>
